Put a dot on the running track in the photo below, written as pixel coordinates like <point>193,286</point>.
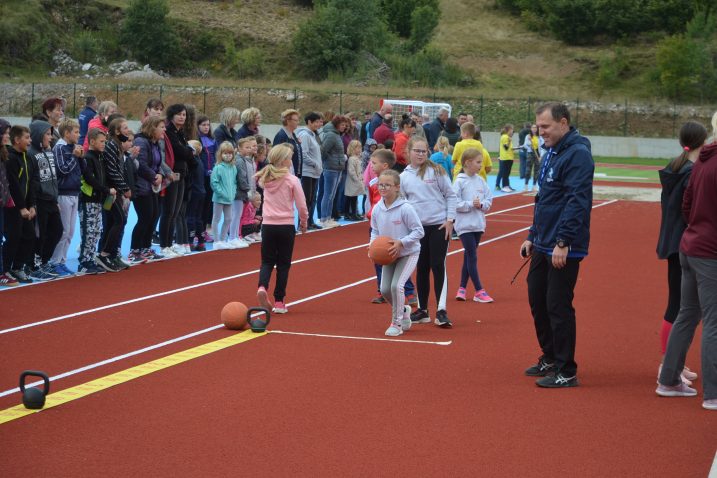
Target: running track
<point>317,406</point>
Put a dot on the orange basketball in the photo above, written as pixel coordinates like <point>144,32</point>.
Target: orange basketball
<point>378,250</point>
<point>234,316</point>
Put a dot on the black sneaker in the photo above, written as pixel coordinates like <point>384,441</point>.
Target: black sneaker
<point>119,264</point>
<point>106,263</point>
<point>557,380</point>
<point>540,369</point>
<point>420,316</point>
<point>442,320</point>
<point>21,276</point>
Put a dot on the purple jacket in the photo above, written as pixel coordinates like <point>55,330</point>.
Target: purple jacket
<point>150,160</point>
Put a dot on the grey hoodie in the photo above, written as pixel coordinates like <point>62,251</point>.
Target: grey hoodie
<point>398,221</point>
<point>45,162</point>
<point>311,148</point>
<point>432,197</point>
<point>468,217</point>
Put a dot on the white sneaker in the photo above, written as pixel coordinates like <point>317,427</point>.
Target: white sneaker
<point>329,223</point>
<point>168,253</point>
<point>178,249</point>
<point>394,330</point>
<point>187,249</point>
<point>220,245</point>
<point>406,320</point>
<point>238,243</point>
<point>250,239</point>
<point>257,236</point>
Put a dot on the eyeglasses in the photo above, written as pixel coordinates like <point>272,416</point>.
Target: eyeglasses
<point>420,151</point>
<point>384,185</point>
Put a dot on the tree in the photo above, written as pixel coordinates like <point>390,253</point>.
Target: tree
<point>680,63</point>
<point>149,35</point>
<point>424,21</point>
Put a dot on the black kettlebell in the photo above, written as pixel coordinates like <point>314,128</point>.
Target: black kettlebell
<point>34,398</point>
<point>258,324</point>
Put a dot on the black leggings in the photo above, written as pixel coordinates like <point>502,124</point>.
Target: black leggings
<point>147,209</point>
<point>432,258</point>
<point>19,240</point>
<point>309,185</point>
<point>174,194</point>
<point>115,220</point>
<point>277,247</point>
<point>49,225</point>
<point>674,286</point>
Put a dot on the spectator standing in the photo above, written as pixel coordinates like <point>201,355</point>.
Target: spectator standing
<point>289,122</point>
<point>313,167</point>
<point>86,115</point>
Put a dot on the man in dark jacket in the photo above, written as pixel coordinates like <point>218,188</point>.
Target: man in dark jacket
<point>436,127</point>
<point>557,242</point>
<point>378,118</point>
<point>49,222</point>
<point>87,113</point>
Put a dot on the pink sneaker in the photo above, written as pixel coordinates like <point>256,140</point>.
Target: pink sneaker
<point>689,374</point>
<point>280,308</point>
<point>263,298</point>
<point>461,294</point>
<point>710,404</point>
<point>482,296</point>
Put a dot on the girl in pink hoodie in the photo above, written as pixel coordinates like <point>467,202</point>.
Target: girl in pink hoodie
<point>281,191</point>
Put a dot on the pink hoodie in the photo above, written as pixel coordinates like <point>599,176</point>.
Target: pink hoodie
<point>279,198</point>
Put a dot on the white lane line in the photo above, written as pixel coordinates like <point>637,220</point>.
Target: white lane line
<point>209,329</point>
<point>193,286</point>
<point>375,339</point>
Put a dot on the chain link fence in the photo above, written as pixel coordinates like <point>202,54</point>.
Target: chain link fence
<point>591,117</point>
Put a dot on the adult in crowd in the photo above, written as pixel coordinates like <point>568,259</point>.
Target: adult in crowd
<point>378,118</point>
<point>313,167</point>
<point>523,153</point>
<point>228,119</point>
<point>365,127</point>
<point>150,175</point>
<point>287,134</point>
<point>334,163</point>
<point>557,241</point>
<point>104,111</point>
<point>154,107</point>
<point>698,259</point>
<point>385,132</point>
<point>86,115</point>
<point>674,180</point>
<point>406,128</point>
<point>436,128</point>
<point>452,131</point>
<point>251,120</point>
<point>5,199</point>
<point>418,131</point>
<point>53,110</point>
<point>462,118</point>
<point>180,157</point>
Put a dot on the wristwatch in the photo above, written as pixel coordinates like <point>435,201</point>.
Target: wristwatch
<point>561,243</point>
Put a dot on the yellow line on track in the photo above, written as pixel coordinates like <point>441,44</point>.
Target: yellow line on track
<point>79,391</point>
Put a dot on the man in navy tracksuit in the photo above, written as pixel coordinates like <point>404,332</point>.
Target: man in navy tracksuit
<point>557,242</point>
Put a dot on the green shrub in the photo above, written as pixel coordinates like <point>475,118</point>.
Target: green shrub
<point>150,36</point>
<point>85,47</point>
<point>245,63</point>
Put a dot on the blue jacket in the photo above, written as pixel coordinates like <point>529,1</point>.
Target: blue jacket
<point>149,164</point>
<point>84,119</point>
<point>297,160</point>
<point>69,169</point>
<point>563,205</point>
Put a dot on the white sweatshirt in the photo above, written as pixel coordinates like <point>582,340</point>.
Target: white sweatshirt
<point>398,221</point>
<point>432,197</point>
<point>468,217</point>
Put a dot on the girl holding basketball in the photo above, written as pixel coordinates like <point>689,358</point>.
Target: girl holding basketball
<point>474,200</point>
<point>394,217</point>
<point>426,186</point>
<point>281,191</point>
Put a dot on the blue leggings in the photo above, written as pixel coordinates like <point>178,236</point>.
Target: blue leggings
<point>470,242</point>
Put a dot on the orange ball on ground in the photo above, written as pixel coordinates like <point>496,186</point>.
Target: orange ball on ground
<point>234,316</point>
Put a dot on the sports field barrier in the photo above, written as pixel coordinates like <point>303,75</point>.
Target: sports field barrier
<point>649,120</point>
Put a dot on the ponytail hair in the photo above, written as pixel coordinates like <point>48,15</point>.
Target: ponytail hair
<point>273,171</point>
<point>437,169</point>
<point>692,136</point>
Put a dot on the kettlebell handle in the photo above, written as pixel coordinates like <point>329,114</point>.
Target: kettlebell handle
<point>35,373</point>
<point>263,310</point>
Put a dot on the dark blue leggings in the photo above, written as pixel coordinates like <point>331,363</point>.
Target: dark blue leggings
<point>470,242</point>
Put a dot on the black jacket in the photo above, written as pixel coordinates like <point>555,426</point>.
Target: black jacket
<point>21,176</point>
<point>673,223</point>
<point>94,175</point>
<point>184,160</point>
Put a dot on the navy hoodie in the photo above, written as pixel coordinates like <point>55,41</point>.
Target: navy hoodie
<point>564,203</point>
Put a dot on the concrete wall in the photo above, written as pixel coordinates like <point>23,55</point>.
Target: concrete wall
<point>610,146</point>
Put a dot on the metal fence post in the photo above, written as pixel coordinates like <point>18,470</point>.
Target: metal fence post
<point>294,98</point>
<point>674,120</point>
<point>624,132</point>
<point>249,97</point>
<point>117,95</point>
<point>434,96</point>
<point>480,122</point>
<point>161,90</point>
<point>341,102</point>
<point>32,101</point>
<point>74,99</point>
<point>577,113</point>
<point>204,108</point>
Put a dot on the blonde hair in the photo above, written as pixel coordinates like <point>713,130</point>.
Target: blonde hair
<point>249,115</point>
<point>226,147</point>
<point>354,148</point>
<point>393,174</point>
<point>437,169</point>
<point>67,125</point>
<point>273,170</point>
<point>286,114</point>
<point>443,145</point>
<point>246,139</point>
<point>470,154</point>
<point>229,116</point>
<point>468,129</point>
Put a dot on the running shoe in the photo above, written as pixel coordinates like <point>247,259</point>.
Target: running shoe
<point>42,273</point>
<point>540,369</point>
<point>483,297</point>
<point>107,263</point>
<point>8,280</point>
<point>89,268</point>
<point>137,257</point>
<point>207,237</point>
<point>169,253</point>
<point>119,264</point>
<point>394,330</point>
<point>379,299</point>
<point>263,298</point>
<point>442,320</point>
<point>238,244</point>
<point>680,390</point>
<point>689,374</point>
<point>21,275</point>
<point>61,270</point>
<point>461,294</point>
<point>710,404</point>
<point>558,380</point>
<point>199,247</point>
<point>178,249</point>
<point>420,316</point>
<point>406,319</point>
<point>280,307</point>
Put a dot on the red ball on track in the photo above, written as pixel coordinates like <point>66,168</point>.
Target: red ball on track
<point>378,250</point>
<point>234,316</point>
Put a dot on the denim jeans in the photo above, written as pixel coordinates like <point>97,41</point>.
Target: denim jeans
<point>330,183</point>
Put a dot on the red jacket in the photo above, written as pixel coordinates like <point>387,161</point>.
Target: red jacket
<point>698,207</point>
<point>373,195</point>
<point>399,147</point>
<point>383,133</point>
